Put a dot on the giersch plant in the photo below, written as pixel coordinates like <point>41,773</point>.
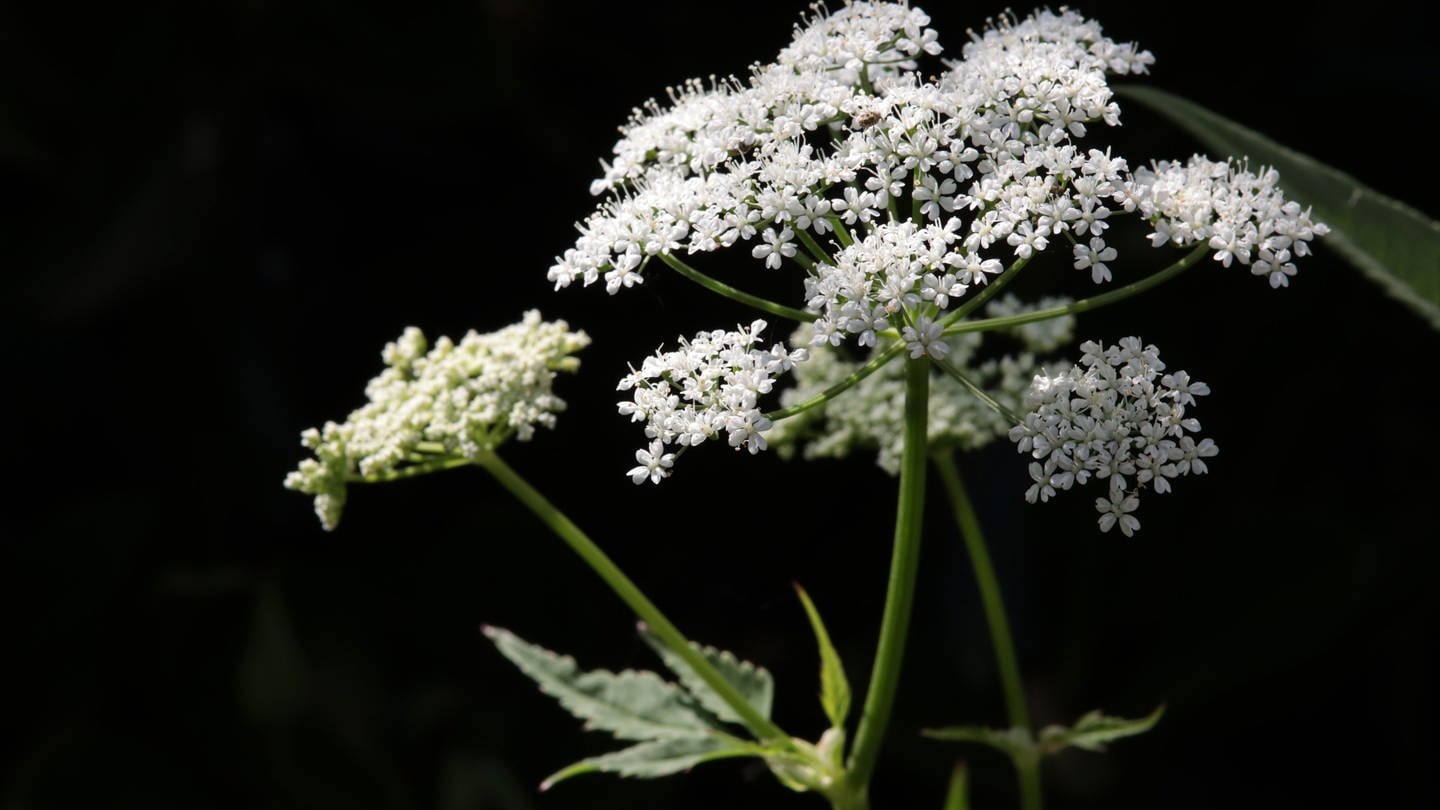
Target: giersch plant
<point>906,187</point>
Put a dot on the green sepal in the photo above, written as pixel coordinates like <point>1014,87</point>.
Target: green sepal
<point>1395,245</point>
<point>655,758</point>
<point>834,686</point>
<point>632,705</point>
<point>1015,742</point>
<point>1092,731</point>
<point>753,682</point>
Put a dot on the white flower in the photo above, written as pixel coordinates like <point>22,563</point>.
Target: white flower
<point>926,337</point>
<point>654,463</point>
<point>1118,513</point>
<point>776,246</point>
<point>1094,256</point>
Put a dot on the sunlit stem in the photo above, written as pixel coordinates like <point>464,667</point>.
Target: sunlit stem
<point>865,80</point>
<point>980,394</point>
<point>991,290</point>
<point>816,249</point>
<point>759,725</point>
<point>1027,764</point>
<point>401,473</point>
<point>915,203</point>
<point>900,593</point>
<point>1084,304</point>
<point>876,363</point>
<point>717,286</point>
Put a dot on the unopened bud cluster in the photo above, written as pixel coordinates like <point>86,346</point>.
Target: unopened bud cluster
<point>453,400</point>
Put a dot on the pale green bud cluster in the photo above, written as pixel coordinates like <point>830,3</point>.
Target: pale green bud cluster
<point>453,402</point>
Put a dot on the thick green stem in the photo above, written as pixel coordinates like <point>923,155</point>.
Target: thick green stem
<point>759,725</point>
<point>849,801</point>
<point>1027,768</point>
<point>1027,764</point>
<point>717,286</point>
<point>900,594</point>
<point>841,232</point>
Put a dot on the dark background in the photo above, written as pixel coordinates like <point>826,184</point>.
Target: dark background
<point>214,215</point>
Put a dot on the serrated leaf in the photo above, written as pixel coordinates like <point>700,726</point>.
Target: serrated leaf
<point>1016,742</point>
<point>751,681</point>
<point>632,705</point>
<point>834,686</point>
<point>648,760</point>
<point>1393,244</point>
<point>1094,730</point>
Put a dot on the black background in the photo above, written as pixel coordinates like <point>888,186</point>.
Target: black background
<point>214,215</point>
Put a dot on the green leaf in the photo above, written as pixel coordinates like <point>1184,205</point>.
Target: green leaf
<point>957,795</point>
<point>752,682</point>
<point>1394,245</point>
<point>834,687</point>
<point>1094,730</point>
<point>630,705</point>
<point>648,760</point>
<point>1015,742</point>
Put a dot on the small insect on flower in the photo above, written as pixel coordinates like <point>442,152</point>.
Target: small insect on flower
<point>867,119</point>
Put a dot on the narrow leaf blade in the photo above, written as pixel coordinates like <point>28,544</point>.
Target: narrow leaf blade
<point>753,682</point>
<point>834,686</point>
<point>957,795</point>
<point>648,760</point>
<point>1015,742</point>
<point>1390,242</point>
<point>630,705</point>
<point>1093,731</point>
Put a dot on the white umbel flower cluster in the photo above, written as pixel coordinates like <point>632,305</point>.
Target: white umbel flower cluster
<point>710,386</point>
<point>842,130</point>
<point>899,183</point>
<point>455,400</point>
<point>1116,418</point>
<point>871,417</point>
<point>1239,213</point>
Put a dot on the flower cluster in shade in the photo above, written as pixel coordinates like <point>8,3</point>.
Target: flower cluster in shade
<point>896,183</point>
<point>452,401</point>
<point>1117,418</point>
<point>710,386</point>
<point>870,418</point>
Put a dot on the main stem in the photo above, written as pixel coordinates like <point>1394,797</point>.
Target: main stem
<point>759,725</point>
<point>900,595</point>
<point>1027,766</point>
